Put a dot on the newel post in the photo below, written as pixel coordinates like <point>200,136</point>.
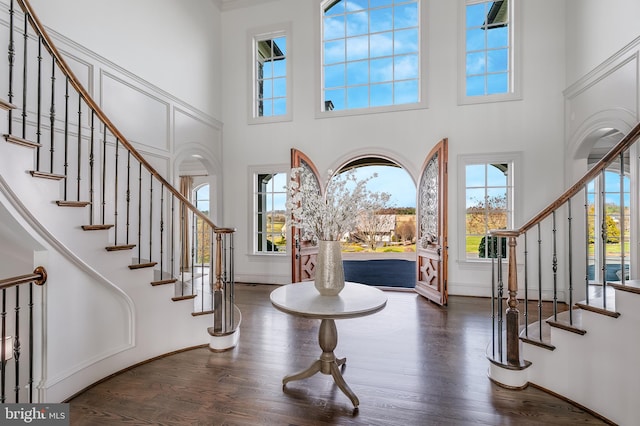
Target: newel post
<point>513,315</point>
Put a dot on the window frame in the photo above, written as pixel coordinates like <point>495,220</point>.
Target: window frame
<point>515,69</point>
<point>514,159</point>
<point>423,75</point>
<point>253,174</point>
<point>267,33</point>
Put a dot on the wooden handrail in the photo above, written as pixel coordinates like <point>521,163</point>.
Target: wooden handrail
<point>75,82</point>
<point>39,276</point>
<point>623,145</point>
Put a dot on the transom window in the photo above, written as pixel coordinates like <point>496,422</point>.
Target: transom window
<point>370,53</point>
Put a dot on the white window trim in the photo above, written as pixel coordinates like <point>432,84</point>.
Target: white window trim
<point>269,32</point>
<point>514,158</point>
<point>425,75</point>
<point>515,43</point>
<point>253,207</point>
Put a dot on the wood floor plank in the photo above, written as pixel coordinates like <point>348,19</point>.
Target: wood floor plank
<point>413,363</point>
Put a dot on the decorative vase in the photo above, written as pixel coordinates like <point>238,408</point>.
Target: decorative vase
<point>329,278</point>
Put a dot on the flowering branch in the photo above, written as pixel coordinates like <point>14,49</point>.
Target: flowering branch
<point>331,215</point>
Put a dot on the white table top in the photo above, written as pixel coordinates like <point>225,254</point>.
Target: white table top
<point>302,299</point>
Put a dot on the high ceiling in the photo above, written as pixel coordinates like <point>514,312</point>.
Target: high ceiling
<point>236,4</point>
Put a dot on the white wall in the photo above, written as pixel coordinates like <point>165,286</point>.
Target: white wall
<point>172,44</point>
<point>596,30</point>
<point>533,126</point>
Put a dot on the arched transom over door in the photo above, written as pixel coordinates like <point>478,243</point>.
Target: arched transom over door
<point>431,245</point>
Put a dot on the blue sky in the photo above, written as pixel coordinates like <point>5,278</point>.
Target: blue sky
<point>394,180</point>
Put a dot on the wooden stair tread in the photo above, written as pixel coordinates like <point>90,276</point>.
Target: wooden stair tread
<point>5,105</point>
<point>143,265</point>
<point>65,203</point>
<point>187,297</point>
<point>120,247</point>
<point>197,314</point>
<point>531,335</point>
<point>96,227</point>
<point>46,175</point>
<point>19,141</point>
<point>163,282</point>
<point>631,286</point>
<point>597,306</point>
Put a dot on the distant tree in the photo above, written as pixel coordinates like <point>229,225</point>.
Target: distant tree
<point>484,216</point>
<point>406,230</point>
<point>371,224</point>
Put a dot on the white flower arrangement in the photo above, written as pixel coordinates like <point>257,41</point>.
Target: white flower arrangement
<point>330,215</point>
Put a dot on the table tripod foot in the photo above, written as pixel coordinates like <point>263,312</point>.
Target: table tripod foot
<point>344,387</point>
<point>315,367</point>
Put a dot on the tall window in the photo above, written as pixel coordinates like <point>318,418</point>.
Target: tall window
<point>488,206</point>
<point>608,222</point>
<point>270,198</point>
<point>202,236</point>
<point>370,53</point>
<point>271,77</point>
<point>488,49</point>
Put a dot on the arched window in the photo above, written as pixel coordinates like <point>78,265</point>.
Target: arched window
<point>370,54</point>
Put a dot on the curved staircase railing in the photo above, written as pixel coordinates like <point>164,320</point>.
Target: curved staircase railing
<point>99,169</point>
<point>551,264</point>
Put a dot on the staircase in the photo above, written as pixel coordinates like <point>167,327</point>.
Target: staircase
<point>592,362</point>
<point>587,352</point>
<point>137,280</point>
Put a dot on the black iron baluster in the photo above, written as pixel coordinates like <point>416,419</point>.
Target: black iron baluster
<point>25,36</point>
<point>3,355</point>
<point>570,242</point>
<point>623,273</point>
<point>150,217</point>
<point>11,56</point>
<point>39,105</point>
<point>494,286</point>
<point>128,195</point>
<point>31,350</point>
<point>115,195</point>
<point>103,201</point>
<point>16,347</point>
<point>554,268</point>
<point>91,165</point>
<point>203,248</point>
<point>52,115</point>
<point>172,233</point>
<point>79,178</point>
<point>526,288</point>
<point>539,280</point>
<point>139,212</point>
<point>230,278</point>
<point>500,298</point>
<point>66,139</point>
<point>161,231</point>
<point>194,236</point>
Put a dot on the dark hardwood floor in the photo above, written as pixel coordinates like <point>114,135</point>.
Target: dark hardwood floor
<point>413,363</point>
